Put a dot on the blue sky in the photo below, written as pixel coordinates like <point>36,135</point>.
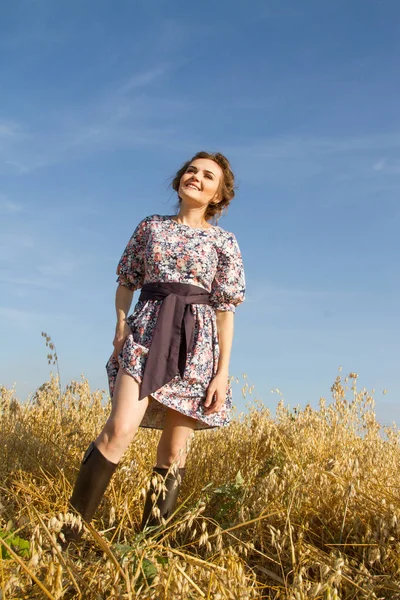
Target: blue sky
<point>102,102</point>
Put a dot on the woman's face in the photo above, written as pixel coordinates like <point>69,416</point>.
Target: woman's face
<point>200,183</point>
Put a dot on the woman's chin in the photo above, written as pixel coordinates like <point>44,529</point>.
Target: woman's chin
<point>190,201</point>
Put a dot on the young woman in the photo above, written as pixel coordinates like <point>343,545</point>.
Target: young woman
<point>170,365</point>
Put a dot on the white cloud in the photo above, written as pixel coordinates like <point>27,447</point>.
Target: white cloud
<point>9,207</point>
<point>27,319</point>
<point>10,129</point>
<point>336,165</point>
<point>380,165</point>
<point>15,314</point>
<point>15,245</point>
<point>310,145</point>
<point>275,297</point>
<point>16,283</point>
<point>59,268</point>
<point>115,118</point>
<point>386,166</point>
<point>145,78</point>
<point>14,140</point>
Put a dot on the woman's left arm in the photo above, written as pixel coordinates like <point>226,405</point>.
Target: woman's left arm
<point>216,392</point>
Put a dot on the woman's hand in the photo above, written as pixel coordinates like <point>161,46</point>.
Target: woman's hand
<point>122,331</point>
<point>216,394</point>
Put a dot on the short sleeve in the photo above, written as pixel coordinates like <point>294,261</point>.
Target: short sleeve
<point>228,286</point>
<point>131,267</point>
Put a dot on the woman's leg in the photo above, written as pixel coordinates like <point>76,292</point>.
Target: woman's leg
<point>126,415</point>
<point>102,456</point>
<point>171,457</point>
<point>172,447</point>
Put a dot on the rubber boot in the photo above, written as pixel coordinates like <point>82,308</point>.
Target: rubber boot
<point>164,500</point>
<point>93,478</point>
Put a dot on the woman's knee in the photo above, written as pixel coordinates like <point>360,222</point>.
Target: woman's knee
<point>170,453</point>
<point>175,439</point>
<point>120,430</point>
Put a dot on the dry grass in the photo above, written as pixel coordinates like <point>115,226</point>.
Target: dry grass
<point>303,505</point>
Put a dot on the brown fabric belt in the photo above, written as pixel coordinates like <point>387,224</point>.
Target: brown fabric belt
<point>173,332</point>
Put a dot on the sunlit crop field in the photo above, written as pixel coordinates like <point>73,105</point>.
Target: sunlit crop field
<point>299,504</point>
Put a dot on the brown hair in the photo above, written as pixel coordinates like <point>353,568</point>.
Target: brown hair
<point>227,186</point>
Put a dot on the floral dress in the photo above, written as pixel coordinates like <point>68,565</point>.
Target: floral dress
<point>162,250</point>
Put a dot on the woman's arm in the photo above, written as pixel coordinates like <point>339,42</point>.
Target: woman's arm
<point>123,301</point>
<point>216,392</point>
<point>225,319</point>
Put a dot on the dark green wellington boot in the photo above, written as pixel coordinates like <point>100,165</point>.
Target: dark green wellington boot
<point>93,478</point>
<point>165,500</point>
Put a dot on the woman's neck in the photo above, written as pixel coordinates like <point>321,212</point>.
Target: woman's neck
<point>192,218</point>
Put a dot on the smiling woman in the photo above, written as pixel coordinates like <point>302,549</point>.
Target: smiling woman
<point>216,169</point>
<point>170,365</point>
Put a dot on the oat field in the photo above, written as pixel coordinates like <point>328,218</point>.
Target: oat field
<point>299,504</point>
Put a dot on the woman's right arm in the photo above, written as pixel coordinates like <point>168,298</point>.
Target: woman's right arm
<point>123,301</point>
